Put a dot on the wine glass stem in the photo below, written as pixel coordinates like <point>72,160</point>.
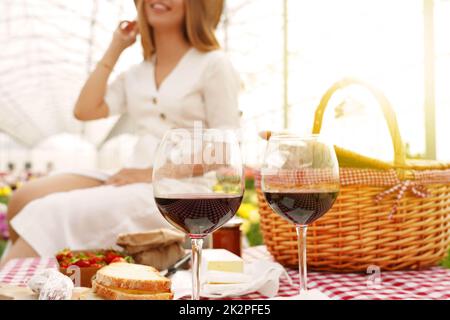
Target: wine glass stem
<point>197,245</point>
<point>301,238</point>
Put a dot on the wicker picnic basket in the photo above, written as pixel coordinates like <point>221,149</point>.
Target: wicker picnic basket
<point>395,216</point>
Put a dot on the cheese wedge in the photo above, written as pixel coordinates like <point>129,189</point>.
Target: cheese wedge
<point>221,260</point>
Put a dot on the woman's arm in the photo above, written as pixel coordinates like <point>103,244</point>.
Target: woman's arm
<point>91,103</point>
<point>130,176</point>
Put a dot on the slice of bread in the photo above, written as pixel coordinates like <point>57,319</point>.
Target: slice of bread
<point>127,276</point>
<point>119,294</point>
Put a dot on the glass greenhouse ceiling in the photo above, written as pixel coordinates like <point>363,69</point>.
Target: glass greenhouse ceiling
<point>47,48</point>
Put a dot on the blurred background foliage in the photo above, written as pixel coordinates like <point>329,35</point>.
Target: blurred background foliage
<point>250,214</point>
<point>5,193</point>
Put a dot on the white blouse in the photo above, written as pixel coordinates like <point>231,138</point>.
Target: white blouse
<point>202,87</point>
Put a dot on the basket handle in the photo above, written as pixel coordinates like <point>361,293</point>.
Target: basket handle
<point>388,112</point>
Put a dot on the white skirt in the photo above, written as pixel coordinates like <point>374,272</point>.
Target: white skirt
<point>87,218</point>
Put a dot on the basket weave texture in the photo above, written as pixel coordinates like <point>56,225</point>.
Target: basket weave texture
<point>394,216</point>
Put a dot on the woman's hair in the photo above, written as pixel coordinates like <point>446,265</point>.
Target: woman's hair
<point>202,18</point>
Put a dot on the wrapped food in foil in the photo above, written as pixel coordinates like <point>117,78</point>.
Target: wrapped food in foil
<point>50,284</point>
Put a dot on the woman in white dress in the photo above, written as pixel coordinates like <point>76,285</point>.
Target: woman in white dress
<point>184,78</point>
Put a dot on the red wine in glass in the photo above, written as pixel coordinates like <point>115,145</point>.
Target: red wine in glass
<point>302,207</point>
<point>300,181</point>
<point>198,214</point>
<point>198,184</point>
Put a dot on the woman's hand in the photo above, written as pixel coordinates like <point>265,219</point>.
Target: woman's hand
<point>130,176</point>
<point>91,101</point>
<point>125,35</point>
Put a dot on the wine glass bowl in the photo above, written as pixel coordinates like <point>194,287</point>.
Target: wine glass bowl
<point>198,215</point>
<point>300,182</point>
<point>198,184</point>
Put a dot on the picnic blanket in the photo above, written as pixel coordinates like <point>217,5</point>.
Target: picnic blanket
<point>432,284</point>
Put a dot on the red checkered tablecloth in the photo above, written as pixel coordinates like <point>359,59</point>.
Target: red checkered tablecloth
<point>428,284</point>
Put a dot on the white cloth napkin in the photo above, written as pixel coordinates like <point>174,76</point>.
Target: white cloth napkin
<point>259,276</point>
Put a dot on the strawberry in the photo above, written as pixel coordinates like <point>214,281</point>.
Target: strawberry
<point>96,259</point>
<point>83,263</point>
<point>86,259</point>
<point>118,259</point>
<point>110,256</point>
<point>60,257</point>
<point>65,262</point>
<point>66,253</point>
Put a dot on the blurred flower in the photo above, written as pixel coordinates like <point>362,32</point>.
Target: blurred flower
<point>245,209</point>
<point>4,231</point>
<point>254,216</point>
<point>245,227</point>
<point>249,212</point>
<point>5,191</point>
<point>218,188</point>
<point>250,173</point>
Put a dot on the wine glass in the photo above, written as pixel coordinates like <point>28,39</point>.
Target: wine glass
<point>300,181</point>
<point>198,184</point>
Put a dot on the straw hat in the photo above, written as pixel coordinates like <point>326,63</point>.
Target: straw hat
<point>214,10</point>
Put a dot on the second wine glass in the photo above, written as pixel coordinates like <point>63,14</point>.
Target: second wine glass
<point>300,181</point>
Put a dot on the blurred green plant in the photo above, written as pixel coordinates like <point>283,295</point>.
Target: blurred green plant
<point>2,247</point>
<point>5,193</point>
<point>446,262</point>
<point>250,214</point>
